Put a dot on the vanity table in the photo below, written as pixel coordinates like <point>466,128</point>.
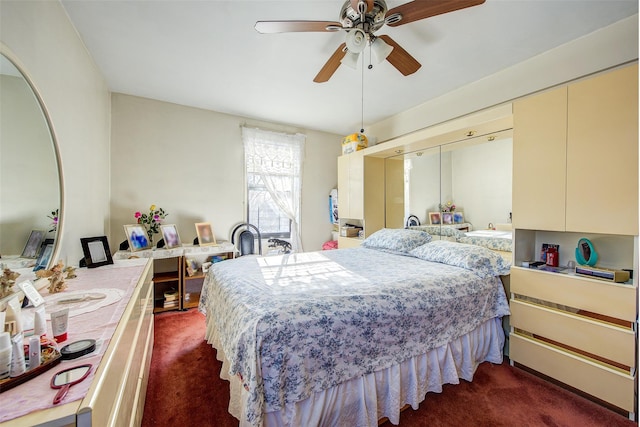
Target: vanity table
<point>114,392</point>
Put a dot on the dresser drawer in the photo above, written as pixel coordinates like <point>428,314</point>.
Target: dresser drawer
<point>602,339</point>
<point>610,299</point>
<point>608,384</point>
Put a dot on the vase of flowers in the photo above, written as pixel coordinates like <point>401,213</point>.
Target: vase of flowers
<point>54,221</point>
<point>151,220</point>
<point>447,207</point>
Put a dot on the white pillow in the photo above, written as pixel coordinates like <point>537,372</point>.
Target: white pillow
<point>482,261</point>
<point>396,240</point>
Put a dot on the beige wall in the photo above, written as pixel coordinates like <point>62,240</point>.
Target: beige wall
<point>608,47</point>
<point>77,99</point>
<point>190,161</point>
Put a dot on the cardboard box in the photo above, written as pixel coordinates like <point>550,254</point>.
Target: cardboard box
<point>354,142</point>
<point>349,231</point>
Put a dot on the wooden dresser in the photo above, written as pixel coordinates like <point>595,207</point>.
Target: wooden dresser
<point>114,394</point>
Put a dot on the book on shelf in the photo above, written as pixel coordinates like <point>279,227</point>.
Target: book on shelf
<point>171,295</point>
<point>170,304</point>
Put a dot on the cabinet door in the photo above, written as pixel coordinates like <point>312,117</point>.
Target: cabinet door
<point>350,186</point>
<point>343,187</point>
<point>539,158</point>
<point>602,154</point>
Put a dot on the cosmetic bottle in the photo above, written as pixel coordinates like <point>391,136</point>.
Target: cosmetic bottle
<point>5,354</point>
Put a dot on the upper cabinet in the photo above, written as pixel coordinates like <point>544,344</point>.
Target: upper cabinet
<point>357,201</point>
<point>575,156</point>
<point>539,161</point>
<point>602,153</point>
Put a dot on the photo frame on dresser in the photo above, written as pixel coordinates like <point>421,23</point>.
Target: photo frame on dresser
<point>434,218</point>
<point>205,234</point>
<point>46,249</point>
<point>170,236</point>
<point>96,251</point>
<point>447,218</point>
<point>33,244</point>
<point>137,237</point>
<point>458,217</point>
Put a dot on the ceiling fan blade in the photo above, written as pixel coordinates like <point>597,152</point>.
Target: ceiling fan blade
<point>421,9</point>
<point>271,27</point>
<point>331,65</point>
<point>400,58</point>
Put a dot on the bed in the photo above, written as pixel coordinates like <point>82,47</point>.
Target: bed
<point>350,336</point>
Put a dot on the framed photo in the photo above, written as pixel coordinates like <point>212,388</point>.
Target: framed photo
<point>44,255</point>
<point>205,234</point>
<point>447,218</point>
<point>137,237</point>
<point>434,218</point>
<point>170,236</point>
<point>33,243</point>
<point>96,251</point>
<point>458,217</point>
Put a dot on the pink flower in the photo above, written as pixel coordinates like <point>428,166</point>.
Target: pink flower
<point>156,218</point>
<point>137,215</point>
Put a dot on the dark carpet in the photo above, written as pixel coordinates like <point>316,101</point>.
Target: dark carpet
<point>185,389</point>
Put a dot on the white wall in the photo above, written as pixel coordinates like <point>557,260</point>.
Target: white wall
<point>77,99</point>
<point>190,162</point>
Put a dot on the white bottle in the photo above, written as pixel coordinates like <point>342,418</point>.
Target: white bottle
<point>5,354</point>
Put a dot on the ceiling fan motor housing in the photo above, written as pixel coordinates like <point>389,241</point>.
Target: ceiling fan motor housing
<point>373,19</point>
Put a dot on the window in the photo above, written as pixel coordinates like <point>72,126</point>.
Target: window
<point>274,170</point>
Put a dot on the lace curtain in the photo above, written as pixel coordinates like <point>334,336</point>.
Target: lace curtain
<point>277,159</point>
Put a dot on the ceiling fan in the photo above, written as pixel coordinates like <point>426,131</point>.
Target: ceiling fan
<point>361,19</point>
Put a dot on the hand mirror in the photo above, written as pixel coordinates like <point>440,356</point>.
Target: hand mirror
<point>585,253</point>
<point>64,379</point>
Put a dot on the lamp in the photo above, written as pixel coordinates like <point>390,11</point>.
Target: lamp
<point>351,59</point>
<point>381,49</point>
<point>356,40</point>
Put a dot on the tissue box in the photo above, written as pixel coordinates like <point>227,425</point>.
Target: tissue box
<point>354,142</point>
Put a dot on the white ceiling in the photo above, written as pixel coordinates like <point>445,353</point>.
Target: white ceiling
<point>207,54</point>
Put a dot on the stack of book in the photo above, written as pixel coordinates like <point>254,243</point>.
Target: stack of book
<point>171,299</point>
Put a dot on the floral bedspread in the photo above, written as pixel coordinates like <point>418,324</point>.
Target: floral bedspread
<point>296,324</point>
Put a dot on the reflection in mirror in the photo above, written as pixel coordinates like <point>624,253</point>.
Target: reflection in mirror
<point>63,380</point>
<point>29,179</point>
<point>474,175</point>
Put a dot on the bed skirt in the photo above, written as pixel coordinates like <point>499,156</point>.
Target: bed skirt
<point>365,400</point>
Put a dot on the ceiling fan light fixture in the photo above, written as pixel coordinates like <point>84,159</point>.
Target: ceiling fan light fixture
<point>356,40</point>
<point>350,59</point>
<point>381,49</point>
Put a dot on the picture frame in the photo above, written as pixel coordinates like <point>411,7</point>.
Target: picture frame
<point>170,236</point>
<point>44,255</point>
<point>33,244</point>
<point>96,251</point>
<point>458,217</point>
<point>447,218</point>
<point>434,218</point>
<point>137,237</point>
<point>205,234</point>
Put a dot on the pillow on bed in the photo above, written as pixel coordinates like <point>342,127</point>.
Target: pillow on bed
<point>396,240</point>
<point>482,261</point>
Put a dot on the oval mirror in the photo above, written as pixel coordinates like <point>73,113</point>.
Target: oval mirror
<point>30,185</point>
<point>63,380</point>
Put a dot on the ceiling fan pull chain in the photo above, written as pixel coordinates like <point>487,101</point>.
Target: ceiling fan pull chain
<point>362,99</point>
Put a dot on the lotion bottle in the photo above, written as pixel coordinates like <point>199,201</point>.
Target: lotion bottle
<point>5,355</point>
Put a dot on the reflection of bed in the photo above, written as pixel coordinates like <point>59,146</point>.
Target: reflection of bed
<point>496,240</point>
<point>349,336</point>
